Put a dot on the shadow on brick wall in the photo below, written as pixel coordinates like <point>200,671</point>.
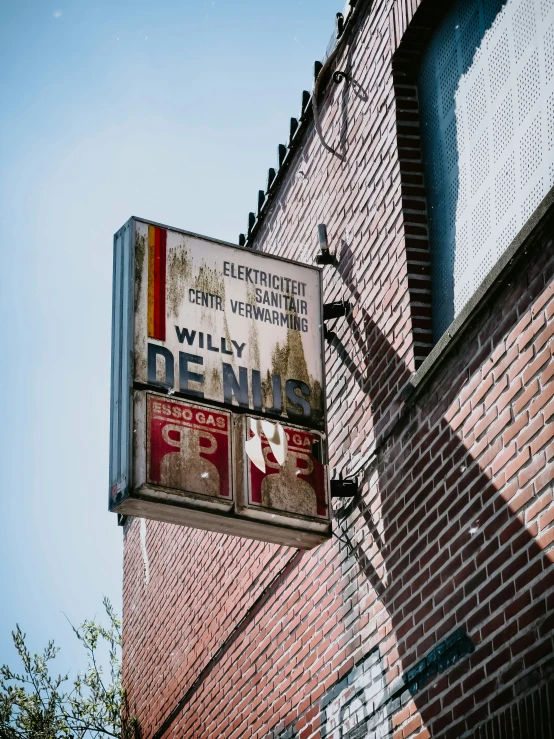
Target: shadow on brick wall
<point>454,547</point>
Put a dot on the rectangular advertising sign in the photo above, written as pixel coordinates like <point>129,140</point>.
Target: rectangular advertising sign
<point>227,324</point>
<point>214,326</point>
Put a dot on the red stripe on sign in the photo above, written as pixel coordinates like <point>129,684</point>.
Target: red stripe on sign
<point>159,283</point>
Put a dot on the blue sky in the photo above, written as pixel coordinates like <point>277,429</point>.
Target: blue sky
<point>170,111</point>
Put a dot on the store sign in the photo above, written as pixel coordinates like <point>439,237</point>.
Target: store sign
<point>217,386</point>
<point>228,325</point>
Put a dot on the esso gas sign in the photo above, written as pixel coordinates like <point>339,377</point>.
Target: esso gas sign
<point>218,398</point>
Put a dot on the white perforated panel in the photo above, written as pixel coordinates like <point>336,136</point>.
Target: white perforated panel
<point>486,92</point>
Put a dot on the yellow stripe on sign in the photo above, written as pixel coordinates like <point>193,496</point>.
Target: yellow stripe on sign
<point>151,252</point>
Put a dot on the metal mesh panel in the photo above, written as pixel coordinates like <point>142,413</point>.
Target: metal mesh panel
<point>524,27</point>
<point>486,93</point>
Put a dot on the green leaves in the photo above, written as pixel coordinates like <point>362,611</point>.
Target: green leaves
<point>36,705</point>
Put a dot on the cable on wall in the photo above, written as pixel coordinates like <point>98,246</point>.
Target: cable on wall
<point>342,25</point>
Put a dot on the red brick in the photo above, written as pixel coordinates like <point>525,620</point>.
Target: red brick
<point>525,398</point>
<point>514,429</point>
<point>483,388</point>
<point>518,329</point>
<point>496,392</point>
<point>518,501</point>
<point>503,458</point>
<point>546,519</point>
<point>546,539</point>
<point>544,298</point>
<point>518,367</point>
<point>543,438</point>
<point>529,334</point>
<point>540,402</point>
<point>522,458</point>
<point>545,335</point>
<point>412,725</point>
<point>543,479</point>
<point>488,419</point>
<point>548,372</point>
<point>505,400</point>
<point>536,366</point>
<point>529,429</point>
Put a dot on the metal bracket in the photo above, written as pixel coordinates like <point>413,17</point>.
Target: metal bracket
<point>339,76</point>
<point>338,309</point>
<point>344,488</point>
<point>326,258</point>
<point>340,25</point>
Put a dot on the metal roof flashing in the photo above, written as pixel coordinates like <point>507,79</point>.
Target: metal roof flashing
<point>299,127</point>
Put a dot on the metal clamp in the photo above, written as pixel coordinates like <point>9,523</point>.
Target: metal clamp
<point>344,488</point>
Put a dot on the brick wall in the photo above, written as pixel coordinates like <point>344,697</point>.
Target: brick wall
<point>430,611</point>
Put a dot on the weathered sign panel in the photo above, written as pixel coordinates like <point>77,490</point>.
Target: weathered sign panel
<point>297,486</point>
<point>228,325</point>
<point>189,449</point>
<point>217,360</point>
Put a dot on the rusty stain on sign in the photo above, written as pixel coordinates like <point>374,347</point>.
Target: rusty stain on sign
<point>179,274</point>
<point>214,308</point>
<point>210,281</point>
<point>140,253</point>
<point>217,383</point>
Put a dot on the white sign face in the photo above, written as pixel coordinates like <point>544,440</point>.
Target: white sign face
<point>227,325</point>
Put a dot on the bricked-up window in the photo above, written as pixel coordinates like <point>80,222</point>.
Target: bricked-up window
<point>486,92</point>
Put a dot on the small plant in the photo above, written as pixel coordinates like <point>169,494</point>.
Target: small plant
<point>35,704</point>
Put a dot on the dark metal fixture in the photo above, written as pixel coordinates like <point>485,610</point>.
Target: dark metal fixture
<point>293,128</point>
<point>317,450</point>
<point>339,76</point>
<point>324,257</point>
<point>251,222</point>
<point>344,488</point>
<point>338,309</point>
<point>305,102</point>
